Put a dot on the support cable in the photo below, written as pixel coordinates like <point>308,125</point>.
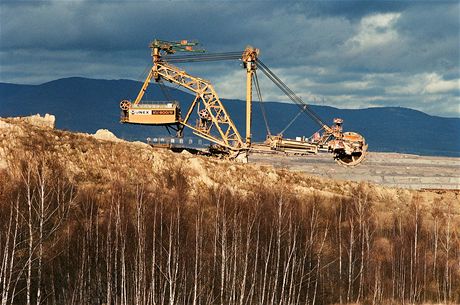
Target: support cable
<point>165,90</point>
<point>304,107</point>
<point>140,78</point>
<point>202,57</point>
<point>262,108</point>
<point>297,100</point>
<point>293,120</point>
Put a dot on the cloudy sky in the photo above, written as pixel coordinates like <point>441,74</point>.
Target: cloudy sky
<point>348,54</point>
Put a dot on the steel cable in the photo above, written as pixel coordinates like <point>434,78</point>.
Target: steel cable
<point>262,108</point>
<point>304,107</point>
<point>297,100</point>
<point>203,57</point>
<point>292,121</point>
<point>165,90</point>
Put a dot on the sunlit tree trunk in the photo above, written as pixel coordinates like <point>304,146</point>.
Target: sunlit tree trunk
<point>140,281</point>
<point>350,259</point>
<point>263,291</point>
<point>278,250</point>
<point>223,255</point>
<point>447,247</point>
<point>108,257</point>
<point>255,271</point>
<point>6,274</point>
<point>197,254</point>
<point>291,248</point>
<point>435,258</point>
<point>362,226</point>
<point>318,262</point>
<point>41,216</point>
<point>246,261</point>
<point>339,224</point>
<point>154,258</point>
<point>27,181</point>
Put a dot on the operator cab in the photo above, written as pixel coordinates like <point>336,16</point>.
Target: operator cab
<point>151,113</point>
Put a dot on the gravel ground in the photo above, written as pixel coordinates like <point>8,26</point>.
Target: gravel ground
<point>388,169</point>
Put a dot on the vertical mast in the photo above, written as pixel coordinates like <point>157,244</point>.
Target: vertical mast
<point>249,72</point>
<point>249,58</point>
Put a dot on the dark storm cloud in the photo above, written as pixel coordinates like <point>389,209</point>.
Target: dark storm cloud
<point>103,26</point>
<point>351,53</point>
<point>352,10</point>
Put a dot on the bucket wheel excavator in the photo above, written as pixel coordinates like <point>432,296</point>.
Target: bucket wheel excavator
<point>213,121</point>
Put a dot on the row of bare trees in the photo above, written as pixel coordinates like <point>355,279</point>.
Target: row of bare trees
<point>62,243</point>
<point>34,207</point>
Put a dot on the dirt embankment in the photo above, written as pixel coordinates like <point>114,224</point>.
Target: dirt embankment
<point>133,222</point>
<point>103,157</point>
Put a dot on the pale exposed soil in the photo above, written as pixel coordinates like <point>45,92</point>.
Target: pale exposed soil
<point>388,169</point>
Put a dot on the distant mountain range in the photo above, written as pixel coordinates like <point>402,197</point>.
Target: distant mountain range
<point>86,105</point>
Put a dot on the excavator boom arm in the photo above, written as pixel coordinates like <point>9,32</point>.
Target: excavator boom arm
<point>214,122</point>
<point>221,121</point>
<point>141,93</point>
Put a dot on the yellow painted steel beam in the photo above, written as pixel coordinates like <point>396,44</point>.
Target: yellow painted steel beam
<point>144,87</point>
<point>249,73</point>
<point>208,96</point>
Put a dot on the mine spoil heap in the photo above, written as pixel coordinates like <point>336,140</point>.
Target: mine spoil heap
<point>117,220</point>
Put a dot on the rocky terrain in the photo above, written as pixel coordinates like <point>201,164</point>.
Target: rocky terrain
<point>197,227</point>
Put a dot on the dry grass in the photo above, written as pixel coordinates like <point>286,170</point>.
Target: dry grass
<point>128,194</point>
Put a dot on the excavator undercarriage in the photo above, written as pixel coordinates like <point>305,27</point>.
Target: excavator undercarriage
<point>214,123</point>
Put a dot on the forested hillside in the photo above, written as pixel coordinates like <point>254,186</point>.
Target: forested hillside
<point>91,221</point>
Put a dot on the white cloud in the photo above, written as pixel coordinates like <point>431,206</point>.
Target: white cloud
<point>230,85</point>
<point>437,85</point>
<point>374,31</point>
<point>407,84</point>
<point>356,85</point>
<point>422,84</point>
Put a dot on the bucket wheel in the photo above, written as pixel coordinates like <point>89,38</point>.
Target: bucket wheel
<point>125,105</point>
<point>354,150</point>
